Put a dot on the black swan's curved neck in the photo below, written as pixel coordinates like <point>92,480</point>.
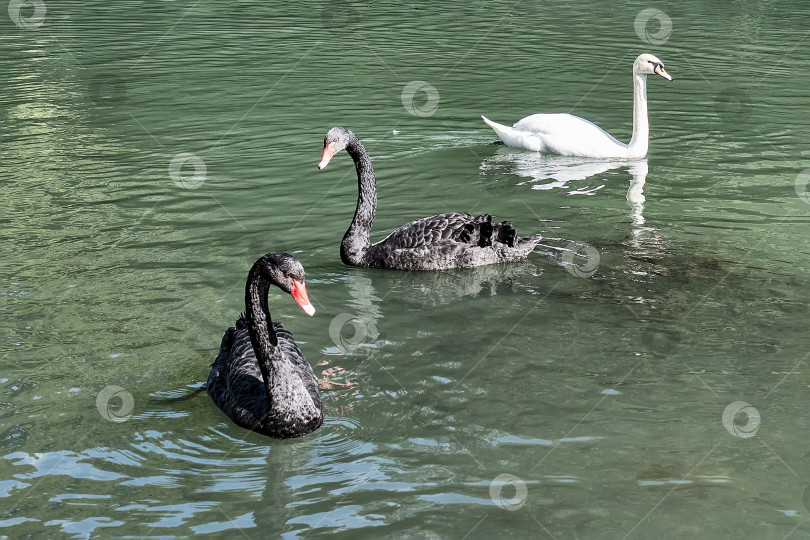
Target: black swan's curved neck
<point>260,328</point>
<point>356,240</point>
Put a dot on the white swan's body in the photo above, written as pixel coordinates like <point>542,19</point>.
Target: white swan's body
<point>570,135</point>
<point>563,134</point>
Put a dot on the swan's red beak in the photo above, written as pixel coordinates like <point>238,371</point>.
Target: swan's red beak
<point>299,292</point>
<point>328,152</point>
<point>659,70</point>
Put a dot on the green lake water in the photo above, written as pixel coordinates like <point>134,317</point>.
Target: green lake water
<point>643,374</point>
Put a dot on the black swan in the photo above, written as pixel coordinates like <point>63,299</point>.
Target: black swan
<point>452,240</point>
<point>260,379</point>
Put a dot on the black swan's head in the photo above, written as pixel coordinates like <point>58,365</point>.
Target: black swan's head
<point>336,140</point>
<point>284,271</point>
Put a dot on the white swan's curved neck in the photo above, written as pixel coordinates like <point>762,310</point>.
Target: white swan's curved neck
<point>640,141</point>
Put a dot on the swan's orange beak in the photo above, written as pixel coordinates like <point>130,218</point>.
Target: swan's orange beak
<point>328,152</point>
<point>299,292</point>
<point>659,70</point>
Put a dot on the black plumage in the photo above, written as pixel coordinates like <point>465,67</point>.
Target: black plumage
<point>451,240</point>
<point>260,379</point>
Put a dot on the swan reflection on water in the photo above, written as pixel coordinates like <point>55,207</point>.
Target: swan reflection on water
<point>439,288</point>
<point>416,291</point>
<point>547,172</point>
<point>550,172</point>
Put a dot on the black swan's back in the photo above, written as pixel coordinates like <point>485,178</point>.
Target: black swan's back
<point>473,231</point>
<point>450,240</point>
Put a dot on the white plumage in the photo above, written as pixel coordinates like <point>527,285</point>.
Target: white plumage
<point>570,135</point>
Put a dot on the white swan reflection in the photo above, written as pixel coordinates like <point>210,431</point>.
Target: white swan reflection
<point>635,193</point>
<point>551,172</point>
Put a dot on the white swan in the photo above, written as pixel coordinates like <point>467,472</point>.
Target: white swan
<point>571,135</point>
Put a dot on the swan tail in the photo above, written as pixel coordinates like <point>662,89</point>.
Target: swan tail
<point>515,137</point>
<point>501,130</point>
<point>528,243</point>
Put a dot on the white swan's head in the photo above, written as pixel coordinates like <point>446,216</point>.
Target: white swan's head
<point>647,64</point>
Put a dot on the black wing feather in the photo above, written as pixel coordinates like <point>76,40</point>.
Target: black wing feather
<point>453,227</point>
